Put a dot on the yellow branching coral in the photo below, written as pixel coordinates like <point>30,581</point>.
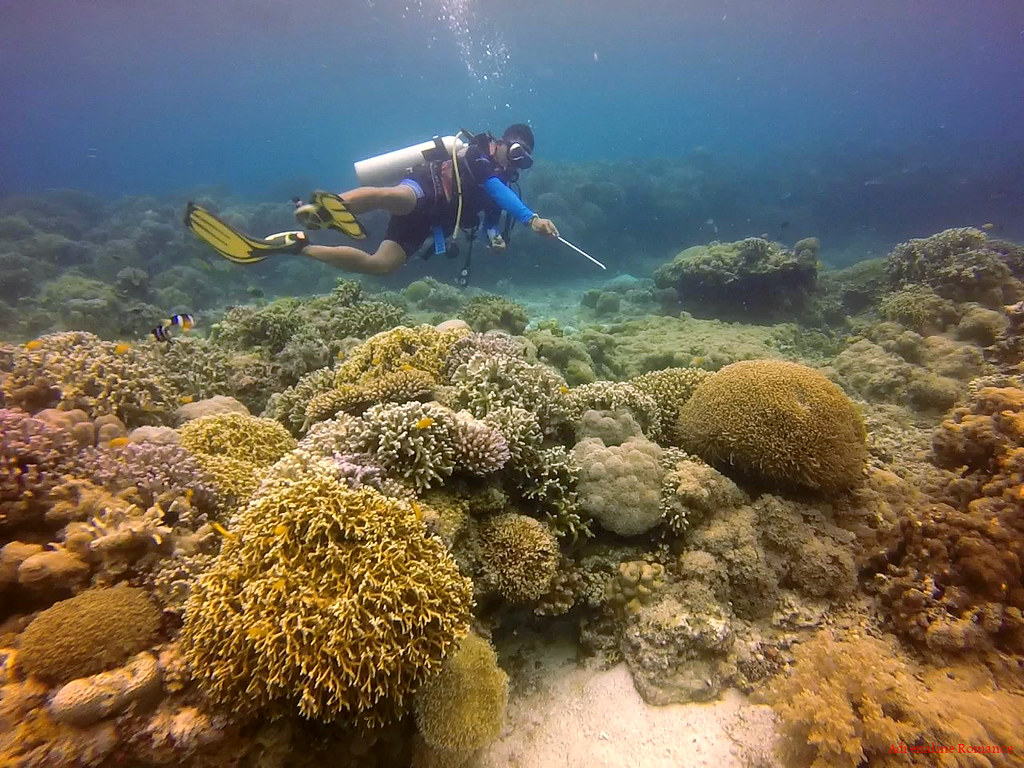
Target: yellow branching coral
<point>325,600</point>
<point>670,388</point>
<point>423,348</point>
<point>238,436</point>
<point>776,421</point>
<point>520,555</point>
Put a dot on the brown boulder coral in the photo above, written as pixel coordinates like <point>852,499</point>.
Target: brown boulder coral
<point>779,422</point>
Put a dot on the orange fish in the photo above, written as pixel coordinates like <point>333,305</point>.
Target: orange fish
<point>186,399</point>
<point>119,442</point>
<point>122,348</point>
<point>223,531</point>
<point>33,345</point>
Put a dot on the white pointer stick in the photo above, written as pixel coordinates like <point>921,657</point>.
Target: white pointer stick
<point>582,253</point>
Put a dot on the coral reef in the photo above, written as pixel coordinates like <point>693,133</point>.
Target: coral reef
<point>287,619</point>
<point>518,554</point>
<point>620,486</point>
<point>486,313</point>
<point>779,422</point>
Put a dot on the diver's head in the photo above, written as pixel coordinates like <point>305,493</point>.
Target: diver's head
<point>516,147</point>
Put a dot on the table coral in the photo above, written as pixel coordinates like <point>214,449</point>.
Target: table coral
<point>779,422</point>
<point>326,601</point>
<point>88,633</point>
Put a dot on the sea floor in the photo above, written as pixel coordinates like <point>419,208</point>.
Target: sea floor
<point>567,714</point>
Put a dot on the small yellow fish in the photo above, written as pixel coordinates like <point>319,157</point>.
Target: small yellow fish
<point>186,399</point>
<point>122,348</point>
<point>563,389</point>
<point>33,345</point>
<point>222,530</point>
<point>256,633</point>
<point>119,442</point>
<point>375,361</point>
<point>417,510</point>
<point>988,227</point>
<point>698,361</point>
<point>281,530</point>
<point>423,423</point>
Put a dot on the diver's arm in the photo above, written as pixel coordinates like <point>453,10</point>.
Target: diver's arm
<point>510,202</point>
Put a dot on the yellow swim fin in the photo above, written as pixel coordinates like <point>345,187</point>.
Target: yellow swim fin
<point>237,246</point>
<point>326,209</point>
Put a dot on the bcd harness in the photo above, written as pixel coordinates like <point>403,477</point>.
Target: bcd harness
<point>446,178</point>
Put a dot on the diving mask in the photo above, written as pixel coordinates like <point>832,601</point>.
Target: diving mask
<point>519,156</point>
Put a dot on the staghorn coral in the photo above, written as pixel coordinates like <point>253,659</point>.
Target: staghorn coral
<point>97,376</point>
<point>620,486</point>
<point>235,479</point>
<point>669,388</point>
<point>150,470</point>
<point>237,436</point>
<point>486,383</point>
<point>88,633</point>
<point>519,555</point>
<point>463,707</point>
<point>34,455</point>
<point>777,421</point>
<point>289,407</point>
<point>288,620</point>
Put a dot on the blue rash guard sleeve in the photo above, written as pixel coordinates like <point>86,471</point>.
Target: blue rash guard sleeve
<point>507,199</point>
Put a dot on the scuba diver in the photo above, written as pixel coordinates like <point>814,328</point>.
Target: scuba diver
<point>442,187</point>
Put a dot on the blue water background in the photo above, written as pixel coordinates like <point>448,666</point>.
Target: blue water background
<point>893,119</point>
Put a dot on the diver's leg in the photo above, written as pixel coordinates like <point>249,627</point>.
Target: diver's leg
<point>386,259</point>
<point>399,199</point>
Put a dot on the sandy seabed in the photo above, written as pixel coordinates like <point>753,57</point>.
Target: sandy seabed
<point>573,716</point>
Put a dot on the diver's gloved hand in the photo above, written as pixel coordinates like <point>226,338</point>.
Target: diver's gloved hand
<point>497,242</point>
<point>543,226</point>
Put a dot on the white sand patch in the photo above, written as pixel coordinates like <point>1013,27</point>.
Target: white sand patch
<point>586,717</point>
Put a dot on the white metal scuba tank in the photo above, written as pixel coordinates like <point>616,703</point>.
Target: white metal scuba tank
<point>390,168</point>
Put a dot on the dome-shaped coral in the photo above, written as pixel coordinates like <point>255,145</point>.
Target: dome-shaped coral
<point>462,708</point>
<point>88,633</point>
<point>325,600</point>
<point>776,421</point>
<point>239,436</point>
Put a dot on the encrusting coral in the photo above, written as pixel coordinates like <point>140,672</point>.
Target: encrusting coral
<point>88,633</point>
<point>326,601</point>
<point>779,422</point>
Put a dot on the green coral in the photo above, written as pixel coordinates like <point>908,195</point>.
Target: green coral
<point>238,436</point>
<point>920,309</point>
<point>462,708</point>
<point>777,421</point>
<point>324,600</point>
<point>92,631</point>
<point>486,313</point>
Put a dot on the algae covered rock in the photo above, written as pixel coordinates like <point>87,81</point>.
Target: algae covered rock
<point>777,422</point>
<point>751,280</point>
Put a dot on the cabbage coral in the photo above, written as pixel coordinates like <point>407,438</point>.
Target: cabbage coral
<point>325,600</point>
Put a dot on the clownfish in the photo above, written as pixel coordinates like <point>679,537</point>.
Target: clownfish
<point>162,332</point>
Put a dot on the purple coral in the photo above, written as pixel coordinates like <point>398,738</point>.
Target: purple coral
<point>34,455</point>
<point>152,468</point>
<point>358,469</point>
<point>479,448</point>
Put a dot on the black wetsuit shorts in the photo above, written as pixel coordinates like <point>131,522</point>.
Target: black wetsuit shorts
<point>432,208</point>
